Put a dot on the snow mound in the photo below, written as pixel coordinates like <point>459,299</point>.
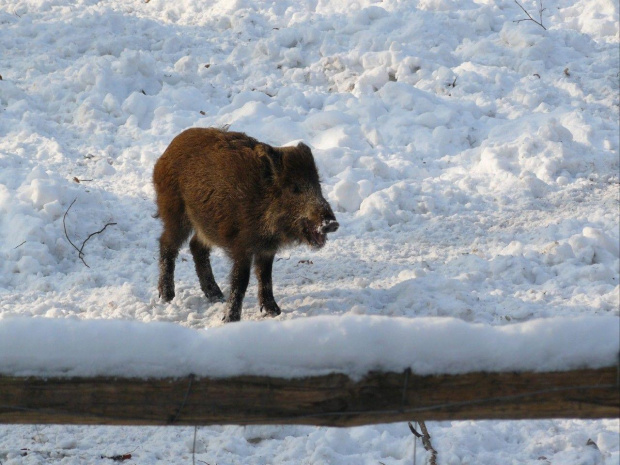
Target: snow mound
<point>353,345</point>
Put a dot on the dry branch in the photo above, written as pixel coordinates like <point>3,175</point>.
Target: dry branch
<point>529,16</point>
<point>414,431</point>
<point>81,249</point>
<point>426,440</point>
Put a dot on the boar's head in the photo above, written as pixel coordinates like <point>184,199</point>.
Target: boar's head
<point>297,211</point>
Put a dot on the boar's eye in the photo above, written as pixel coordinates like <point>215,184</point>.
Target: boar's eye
<point>296,189</point>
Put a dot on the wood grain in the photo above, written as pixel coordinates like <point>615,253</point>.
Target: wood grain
<point>331,400</point>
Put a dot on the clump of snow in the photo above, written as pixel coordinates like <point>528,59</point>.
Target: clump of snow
<point>346,194</point>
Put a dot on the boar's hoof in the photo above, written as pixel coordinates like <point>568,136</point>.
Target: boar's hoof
<point>271,309</point>
<point>214,294</point>
<point>231,317</point>
<point>214,299</point>
<point>166,292</point>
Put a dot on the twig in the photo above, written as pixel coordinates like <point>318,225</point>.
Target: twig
<point>81,249</point>
<point>426,441</point>
<point>65,228</point>
<point>120,457</point>
<point>413,430</point>
<point>92,234</point>
<point>19,245</point>
<point>117,458</point>
<point>529,16</point>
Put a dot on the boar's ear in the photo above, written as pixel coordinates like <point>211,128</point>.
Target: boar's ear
<point>271,160</point>
<point>304,148</point>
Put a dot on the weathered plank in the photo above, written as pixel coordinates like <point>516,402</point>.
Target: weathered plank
<point>331,400</point>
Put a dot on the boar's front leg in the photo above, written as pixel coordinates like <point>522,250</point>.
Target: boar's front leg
<point>264,265</point>
<point>238,285</point>
<point>203,269</point>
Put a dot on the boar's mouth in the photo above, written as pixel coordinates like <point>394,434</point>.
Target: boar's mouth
<point>314,235</point>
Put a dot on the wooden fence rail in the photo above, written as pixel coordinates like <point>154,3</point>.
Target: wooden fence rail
<point>331,400</point>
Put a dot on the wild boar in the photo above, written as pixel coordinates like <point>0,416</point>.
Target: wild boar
<point>244,196</point>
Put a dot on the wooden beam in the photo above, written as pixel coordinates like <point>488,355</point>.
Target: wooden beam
<point>331,400</point>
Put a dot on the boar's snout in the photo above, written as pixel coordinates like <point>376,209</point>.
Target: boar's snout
<point>330,226</point>
<point>316,231</point>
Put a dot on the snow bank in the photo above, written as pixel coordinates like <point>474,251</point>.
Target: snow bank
<point>353,345</point>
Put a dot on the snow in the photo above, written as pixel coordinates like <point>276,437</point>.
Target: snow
<point>303,347</point>
<point>472,163</point>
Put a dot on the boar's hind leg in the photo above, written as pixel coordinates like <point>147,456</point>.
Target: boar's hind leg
<point>264,265</point>
<point>169,243</point>
<point>238,285</point>
<point>203,269</point>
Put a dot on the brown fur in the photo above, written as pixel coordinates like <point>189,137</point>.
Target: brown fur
<point>243,196</point>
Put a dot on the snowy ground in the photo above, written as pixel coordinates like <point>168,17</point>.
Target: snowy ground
<point>472,163</point>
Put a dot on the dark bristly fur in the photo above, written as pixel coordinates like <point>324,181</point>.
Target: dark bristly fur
<point>243,196</point>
